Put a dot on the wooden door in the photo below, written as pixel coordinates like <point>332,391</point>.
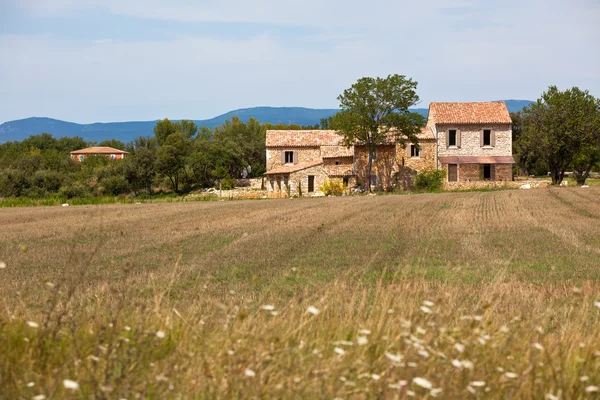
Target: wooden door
<point>452,172</point>
<point>311,183</point>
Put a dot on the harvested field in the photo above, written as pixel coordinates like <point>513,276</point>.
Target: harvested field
<point>490,294</point>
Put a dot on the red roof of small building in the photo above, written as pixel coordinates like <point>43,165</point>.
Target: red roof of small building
<point>286,169</point>
<point>470,113</point>
<point>312,138</point>
<point>99,150</point>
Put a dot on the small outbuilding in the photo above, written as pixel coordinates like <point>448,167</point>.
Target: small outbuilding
<point>115,154</point>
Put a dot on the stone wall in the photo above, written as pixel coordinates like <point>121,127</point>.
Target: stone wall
<point>252,183</point>
<point>470,140</point>
<point>290,183</point>
<point>473,173</point>
<point>426,159</point>
<point>305,155</point>
<point>384,166</point>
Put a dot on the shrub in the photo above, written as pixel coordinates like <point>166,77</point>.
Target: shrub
<point>227,183</point>
<point>333,187</point>
<point>114,185</point>
<point>74,189</point>
<point>430,180</point>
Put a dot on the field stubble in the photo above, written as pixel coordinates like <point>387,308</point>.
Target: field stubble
<point>492,294</point>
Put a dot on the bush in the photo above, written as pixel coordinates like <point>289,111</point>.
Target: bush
<point>74,189</point>
<point>114,185</point>
<point>333,187</point>
<point>226,183</point>
<point>430,180</point>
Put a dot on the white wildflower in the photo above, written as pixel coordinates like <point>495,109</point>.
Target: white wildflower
<point>230,352</point>
<point>267,307</point>
<point>376,377</point>
<point>39,397</point>
<point>472,390</point>
<point>584,378</point>
<point>429,303</point>
<point>395,358</point>
<point>339,351</point>
<point>412,364</point>
<point>69,384</point>
<point>93,358</point>
<point>550,396</point>
<point>362,340</point>
<point>160,334</point>
<point>405,324</point>
<point>250,373</point>
<point>477,383</point>
<point>468,364</point>
<point>364,332</point>
<point>426,310</point>
<point>274,313</point>
<point>410,393</point>
<point>343,343</point>
<point>478,318</point>
<point>2,265</point>
<point>313,310</point>
<point>459,347</point>
<point>538,346</point>
<point>33,324</point>
<point>456,363</point>
<point>297,379</point>
<point>398,385</point>
<point>435,392</point>
<point>592,389</point>
<point>127,328</point>
<point>421,331</point>
<point>423,353</point>
<point>511,375</point>
<point>424,383</point>
<point>597,304</point>
<point>31,384</point>
<point>504,329</point>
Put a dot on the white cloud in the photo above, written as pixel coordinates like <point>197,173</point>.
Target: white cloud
<point>464,50</point>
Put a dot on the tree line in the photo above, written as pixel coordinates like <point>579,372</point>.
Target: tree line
<point>179,157</point>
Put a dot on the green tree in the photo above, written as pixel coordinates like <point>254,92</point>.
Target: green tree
<point>171,158</point>
<point>140,170</point>
<point>164,129</point>
<point>374,109</point>
<point>589,155</point>
<point>556,128</point>
<point>114,143</point>
<point>187,128</point>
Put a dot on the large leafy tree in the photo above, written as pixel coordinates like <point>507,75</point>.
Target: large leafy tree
<point>374,109</point>
<point>589,155</point>
<point>557,128</point>
<point>171,158</point>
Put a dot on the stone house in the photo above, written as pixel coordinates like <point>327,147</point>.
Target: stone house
<point>471,141</point>
<point>115,154</point>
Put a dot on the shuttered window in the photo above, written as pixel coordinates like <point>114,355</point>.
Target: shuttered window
<point>414,151</point>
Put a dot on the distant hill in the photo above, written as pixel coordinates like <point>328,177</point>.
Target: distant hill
<point>127,131</point>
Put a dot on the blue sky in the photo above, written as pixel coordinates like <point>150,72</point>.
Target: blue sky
<point>120,60</point>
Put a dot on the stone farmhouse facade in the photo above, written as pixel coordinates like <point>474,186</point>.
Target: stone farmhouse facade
<point>470,141</point>
<point>115,154</point>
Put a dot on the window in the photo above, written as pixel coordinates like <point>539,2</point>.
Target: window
<point>311,183</point>
<point>289,157</point>
<point>337,163</point>
<point>113,156</point>
<point>414,151</point>
<point>488,172</point>
<point>452,136</point>
<point>346,181</point>
<point>487,137</point>
<point>452,173</point>
<point>81,157</point>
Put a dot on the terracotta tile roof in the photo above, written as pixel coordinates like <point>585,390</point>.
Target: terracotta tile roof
<point>339,170</point>
<point>477,160</point>
<point>99,150</point>
<point>313,138</point>
<point>469,113</point>
<point>286,169</point>
<point>337,151</point>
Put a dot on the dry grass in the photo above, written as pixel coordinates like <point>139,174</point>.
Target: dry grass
<point>512,277</point>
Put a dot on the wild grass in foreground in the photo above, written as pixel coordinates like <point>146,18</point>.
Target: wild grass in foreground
<point>504,339</point>
<point>453,295</point>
